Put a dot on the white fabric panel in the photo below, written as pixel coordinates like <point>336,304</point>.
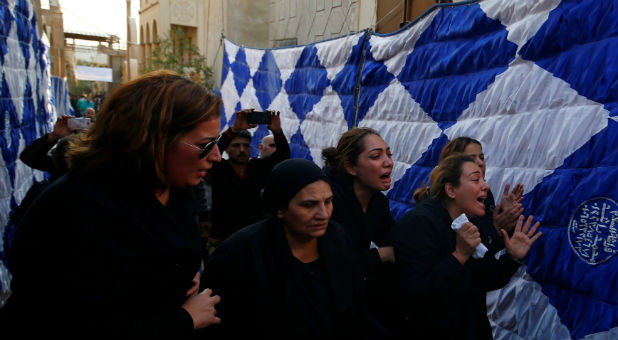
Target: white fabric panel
<point>253,57</point>
<point>403,124</point>
<point>540,312</point>
<point>248,100</point>
<point>333,54</point>
<point>231,50</point>
<point>522,18</point>
<point>324,125</point>
<point>228,91</point>
<point>289,121</point>
<point>394,49</point>
<point>525,111</point>
<point>286,61</point>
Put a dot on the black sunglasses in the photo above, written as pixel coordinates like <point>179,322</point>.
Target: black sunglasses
<point>206,149</point>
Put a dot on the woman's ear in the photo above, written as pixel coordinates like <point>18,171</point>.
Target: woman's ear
<point>350,168</point>
<point>449,189</point>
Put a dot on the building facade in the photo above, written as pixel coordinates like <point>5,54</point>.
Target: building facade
<point>267,23</point>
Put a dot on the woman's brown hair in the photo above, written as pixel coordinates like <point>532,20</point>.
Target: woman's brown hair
<point>348,148</point>
<point>447,171</point>
<point>138,123</point>
<point>457,145</point>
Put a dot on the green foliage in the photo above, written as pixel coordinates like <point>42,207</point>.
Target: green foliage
<point>176,53</point>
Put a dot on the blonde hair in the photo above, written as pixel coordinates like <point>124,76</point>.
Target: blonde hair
<point>447,171</point>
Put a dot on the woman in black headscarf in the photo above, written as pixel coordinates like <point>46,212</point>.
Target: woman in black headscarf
<point>295,274</point>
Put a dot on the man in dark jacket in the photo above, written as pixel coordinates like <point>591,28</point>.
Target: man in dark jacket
<point>237,181</point>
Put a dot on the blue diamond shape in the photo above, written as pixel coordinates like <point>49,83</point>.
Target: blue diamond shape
<point>28,123</point>
<point>43,117</point>
<point>6,20</point>
<point>591,171</point>
<point>267,80</point>
<point>307,83</point>
<point>401,194</point>
<point>226,66</point>
<point>9,125</point>
<point>578,43</point>
<point>24,33</point>
<point>241,71</point>
<point>374,79</point>
<point>298,146</point>
<point>447,69</point>
<point>345,82</point>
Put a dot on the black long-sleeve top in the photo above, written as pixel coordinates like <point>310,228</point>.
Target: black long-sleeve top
<point>266,293</point>
<point>99,257</point>
<point>236,200</point>
<point>374,224</point>
<point>35,155</point>
<point>442,298</point>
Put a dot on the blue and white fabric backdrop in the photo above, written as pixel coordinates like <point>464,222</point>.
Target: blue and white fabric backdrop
<point>26,111</point>
<point>536,82</point>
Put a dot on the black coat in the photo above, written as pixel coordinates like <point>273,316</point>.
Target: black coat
<point>235,200</point>
<point>96,257</point>
<point>442,298</point>
<point>362,226</point>
<point>374,224</point>
<point>253,272</point>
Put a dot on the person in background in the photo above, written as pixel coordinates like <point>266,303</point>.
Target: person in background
<point>35,155</point>
<point>504,216</point>
<point>359,169</point>
<point>90,113</point>
<point>294,275</point>
<point>111,249</point>
<point>81,105</point>
<point>267,146</point>
<point>237,181</point>
<point>444,275</point>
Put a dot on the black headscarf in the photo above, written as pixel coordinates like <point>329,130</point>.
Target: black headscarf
<point>285,180</point>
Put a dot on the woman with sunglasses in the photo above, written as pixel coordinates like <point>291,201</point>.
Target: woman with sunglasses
<point>112,249</point>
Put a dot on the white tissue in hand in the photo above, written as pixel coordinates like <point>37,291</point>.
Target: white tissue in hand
<point>480,250</point>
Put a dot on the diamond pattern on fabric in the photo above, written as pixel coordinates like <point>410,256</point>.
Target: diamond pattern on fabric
<point>267,80</point>
<point>307,83</point>
<point>445,72</point>
<point>558,50</point>
<point>240,71</point>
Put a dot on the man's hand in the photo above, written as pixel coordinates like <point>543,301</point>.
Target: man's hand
<point>240,123</point>
<point>275,124</point>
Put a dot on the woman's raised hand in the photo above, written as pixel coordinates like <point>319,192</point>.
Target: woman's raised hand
<point>519,244</point>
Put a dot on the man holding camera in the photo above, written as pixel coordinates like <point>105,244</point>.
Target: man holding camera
<point>237,181</point>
